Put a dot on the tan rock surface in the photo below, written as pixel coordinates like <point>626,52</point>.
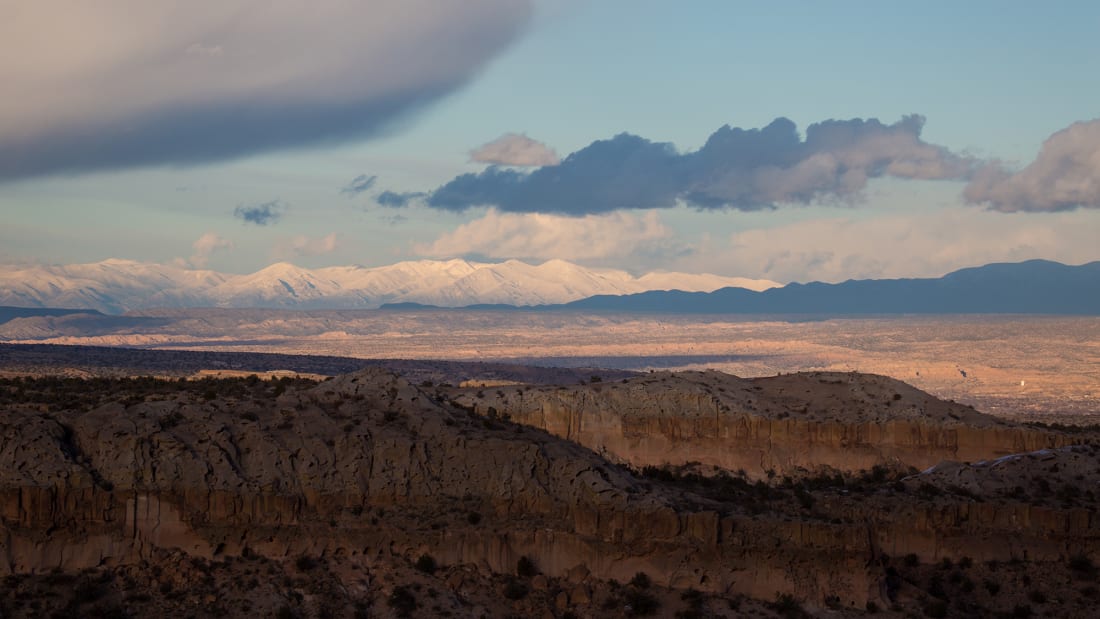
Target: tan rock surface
<point>370,472</point>
<point>788,424</point>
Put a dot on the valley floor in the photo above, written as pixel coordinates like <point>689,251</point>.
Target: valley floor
<point>1027,368</point>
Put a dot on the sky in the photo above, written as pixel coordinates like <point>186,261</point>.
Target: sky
<point>785,140</point>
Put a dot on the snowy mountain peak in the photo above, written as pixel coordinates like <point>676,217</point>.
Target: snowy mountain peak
<point>117,285</point>
<point>280,270</point>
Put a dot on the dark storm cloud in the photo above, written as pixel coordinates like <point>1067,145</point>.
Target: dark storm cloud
<point>260,214</point>
<point>123,83</point>
<point>744,169</point>
<point>358,185</point>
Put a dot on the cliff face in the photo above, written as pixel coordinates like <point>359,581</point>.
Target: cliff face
<point>365,441</point>
<point>371,469</point>
<point>789,424</point>
<point>362,465</point>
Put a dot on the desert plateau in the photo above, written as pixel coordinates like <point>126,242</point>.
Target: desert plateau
<point>688,494</point>
<point>543,309</point>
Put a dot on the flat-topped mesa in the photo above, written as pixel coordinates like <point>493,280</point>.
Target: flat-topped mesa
<point>374,470</point>
<point>789,424</point>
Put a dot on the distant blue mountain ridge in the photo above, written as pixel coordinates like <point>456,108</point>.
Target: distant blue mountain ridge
<point>11,313</point>
<point>1031,287</point>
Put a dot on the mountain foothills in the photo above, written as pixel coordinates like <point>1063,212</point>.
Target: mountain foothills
<point>116,286</point>
<point>371,495</point>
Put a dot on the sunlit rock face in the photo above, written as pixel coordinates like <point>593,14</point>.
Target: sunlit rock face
<point>793,424</point>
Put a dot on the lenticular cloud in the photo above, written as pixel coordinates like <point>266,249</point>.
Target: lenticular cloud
<point>117,83</point>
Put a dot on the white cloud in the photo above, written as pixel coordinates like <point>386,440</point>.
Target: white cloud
<point>929,244</point>
<point>199,49</point>
<point>301,245</point>
<point>1064,176</point>
<point>514,149</point>
<point>115,83</point>
<point>206,245</point>
<point>539,236</point>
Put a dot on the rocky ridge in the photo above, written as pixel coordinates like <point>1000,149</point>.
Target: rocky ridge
<point>367,472</point>
<point>793,424</point>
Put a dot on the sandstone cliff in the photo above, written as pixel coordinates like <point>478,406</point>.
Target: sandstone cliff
<point>789,424</point>
<point>372,471</point>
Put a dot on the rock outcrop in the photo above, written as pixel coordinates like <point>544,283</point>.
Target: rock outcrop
<point>785,425</point>
<point>370,469</point>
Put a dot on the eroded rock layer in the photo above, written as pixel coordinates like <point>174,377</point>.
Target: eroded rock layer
<point>788,424</point>
<point>370,469</point>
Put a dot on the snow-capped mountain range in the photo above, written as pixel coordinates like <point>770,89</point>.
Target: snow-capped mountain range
<point>116,286</point>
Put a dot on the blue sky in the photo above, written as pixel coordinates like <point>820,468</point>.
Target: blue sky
<point>276,109</point>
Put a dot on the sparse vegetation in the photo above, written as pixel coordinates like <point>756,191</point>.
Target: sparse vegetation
<point>526,568</point>
<point>1083,567</point>
<point>937,609</point>
<point>641,603</point>
<point>402,601</point>
<point>788,607</point>
<point>426,563</point>
<point>305,563</point>
<point>1021,611</point>
<point>516,589</point>
<point>823,500</point>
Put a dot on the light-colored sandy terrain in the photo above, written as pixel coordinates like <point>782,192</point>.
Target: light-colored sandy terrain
<point>1045,368</point>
